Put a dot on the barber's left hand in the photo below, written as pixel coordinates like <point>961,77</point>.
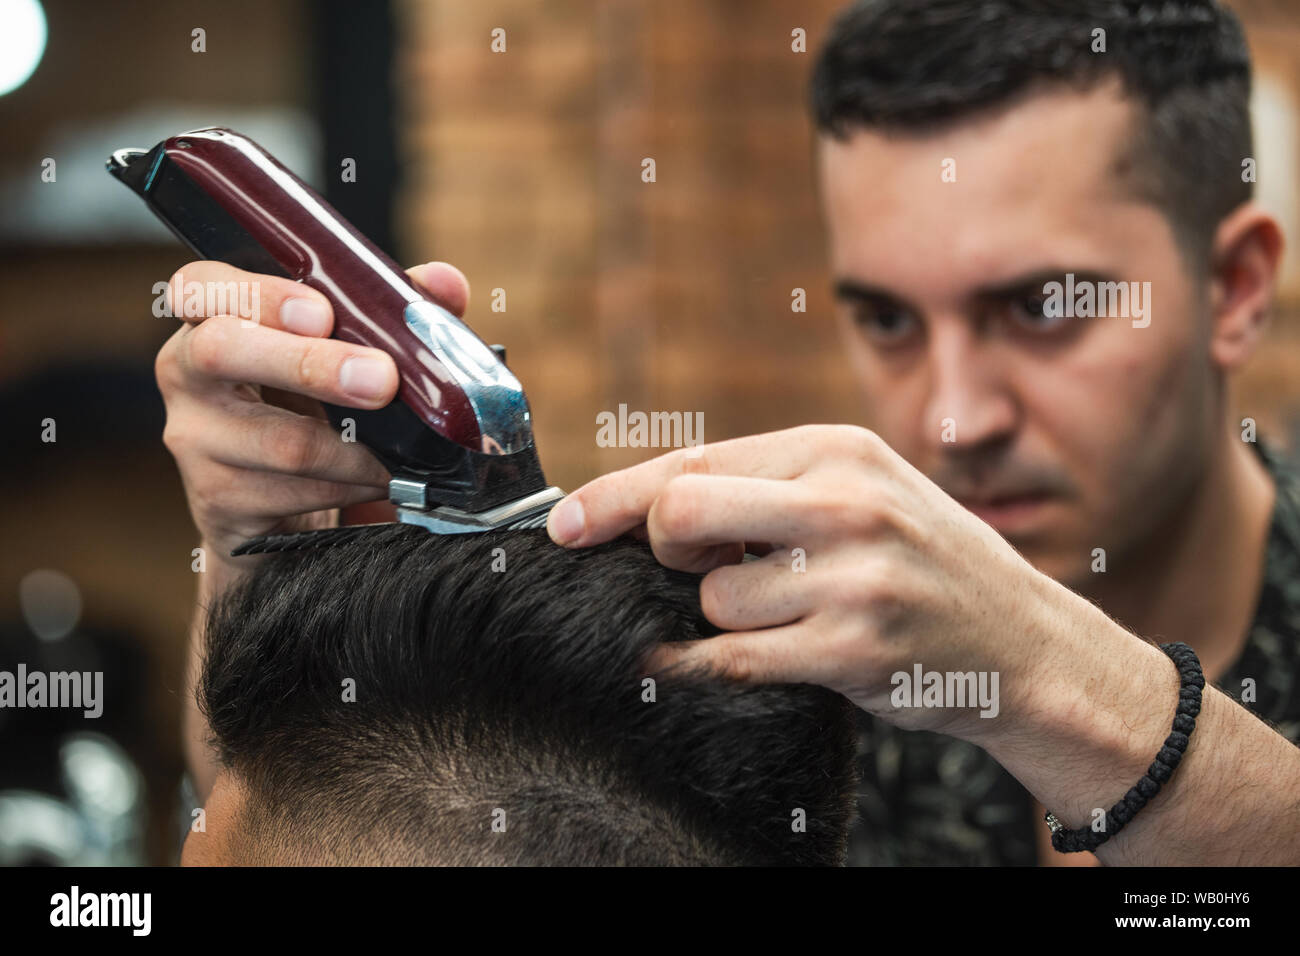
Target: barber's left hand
<point>872,569</point>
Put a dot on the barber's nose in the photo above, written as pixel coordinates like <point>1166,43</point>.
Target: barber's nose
<point>970,403</point>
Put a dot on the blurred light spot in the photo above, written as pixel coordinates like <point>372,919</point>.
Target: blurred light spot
<point>22,41</point>
<point>36,828</point>
<point>51,603</point>
<point>99,776</point>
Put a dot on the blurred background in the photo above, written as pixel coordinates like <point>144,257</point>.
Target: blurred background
<point>522,168</point>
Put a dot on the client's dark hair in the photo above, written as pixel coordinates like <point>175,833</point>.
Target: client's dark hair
<point>501,679</point>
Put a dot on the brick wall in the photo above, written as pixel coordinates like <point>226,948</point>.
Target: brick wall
<point>524,168</point>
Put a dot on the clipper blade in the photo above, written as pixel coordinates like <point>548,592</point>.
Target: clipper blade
<point>536,521</point>
<point>521,514</point>
<point>527,514</point>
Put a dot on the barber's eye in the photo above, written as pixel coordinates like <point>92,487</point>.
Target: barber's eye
<point>884,323</point>
<point>1031,311</point>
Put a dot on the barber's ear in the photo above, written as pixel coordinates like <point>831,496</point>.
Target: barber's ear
<point>1244,263</point>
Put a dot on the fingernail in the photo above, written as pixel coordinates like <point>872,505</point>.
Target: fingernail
<point>566,521</point>
<point>365,378</point>
<point>304,316</point>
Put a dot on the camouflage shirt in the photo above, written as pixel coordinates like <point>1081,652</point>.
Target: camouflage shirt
<point>930,800</point>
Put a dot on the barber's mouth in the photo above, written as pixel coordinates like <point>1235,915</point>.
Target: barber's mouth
<point>1008,513</point>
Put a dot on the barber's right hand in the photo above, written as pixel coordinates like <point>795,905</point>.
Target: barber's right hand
<point>244,417</point>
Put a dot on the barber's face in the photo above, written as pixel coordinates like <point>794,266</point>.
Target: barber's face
<point>1068,434</point>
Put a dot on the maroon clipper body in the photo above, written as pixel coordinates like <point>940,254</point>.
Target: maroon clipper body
<point>458,438</point>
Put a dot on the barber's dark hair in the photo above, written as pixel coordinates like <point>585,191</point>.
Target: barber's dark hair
<point>499,677</point>
<point>917,64</point>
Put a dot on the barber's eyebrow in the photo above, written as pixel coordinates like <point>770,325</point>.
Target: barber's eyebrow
<point>1037,280</point>
<point>852,290</point>
<point>855,290</point>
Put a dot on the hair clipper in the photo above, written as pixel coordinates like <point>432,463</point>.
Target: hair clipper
<point>458,437</point>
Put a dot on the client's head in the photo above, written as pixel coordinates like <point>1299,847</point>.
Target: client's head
<point>408,698</point>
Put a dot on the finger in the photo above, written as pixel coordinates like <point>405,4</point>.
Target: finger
<point>293,402</point>
<point>611,504</point>
<point>259,437</point>
<point>206,289</point>
<point>757,548</point>
<point>781,655</point>
<point>708,559</point>
<point>757,594</point>
<point>704,559</point>
<point>260,496</point>
<point>723,554</point>
<point>222,349</point>
<point>445,283</point>
<point>696,513</point>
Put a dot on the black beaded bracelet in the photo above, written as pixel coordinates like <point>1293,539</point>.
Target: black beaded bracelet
<point>1162,768</point>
